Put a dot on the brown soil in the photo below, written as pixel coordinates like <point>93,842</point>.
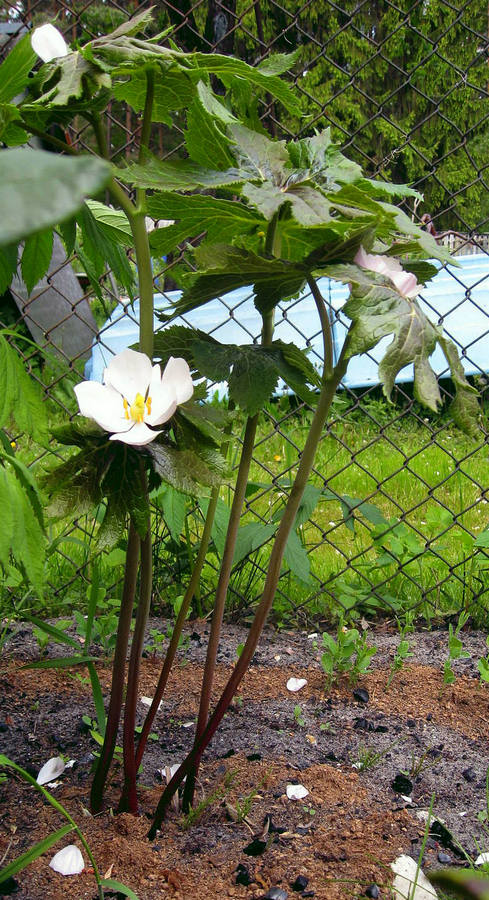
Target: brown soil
<point>342,837</point>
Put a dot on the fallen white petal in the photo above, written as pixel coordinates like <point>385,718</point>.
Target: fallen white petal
<point>51,770</point>
<point>68,861</point>
<point>481,859</point>
<point>296,684</point>
<point>406,799</point>
<point>187,724</point>
<point>405,869</point>
<point>296,791</point>
<point>147,701</point>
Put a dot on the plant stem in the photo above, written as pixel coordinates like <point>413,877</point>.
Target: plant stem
<point>182,613</point>
<point>118,670</point>
<point>224,578</point>
<point>325,327</point>
<point>129,799</point>
<point>177,629</point>
<point>326,396</point>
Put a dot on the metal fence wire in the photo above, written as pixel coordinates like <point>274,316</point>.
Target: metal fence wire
<point>404,86</point>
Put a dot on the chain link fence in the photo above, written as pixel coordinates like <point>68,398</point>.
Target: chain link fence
<point>404,497</point>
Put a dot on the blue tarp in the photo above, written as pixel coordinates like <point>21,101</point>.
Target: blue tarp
<point>457,298</point>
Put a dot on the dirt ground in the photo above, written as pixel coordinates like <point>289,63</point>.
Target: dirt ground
<point>370,761</point>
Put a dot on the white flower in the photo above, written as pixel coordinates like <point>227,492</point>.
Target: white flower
<point>404,282</point>
<point>135,395</point>
<point>296,791</point>
<point>295,684</point>
<point>51,770</point>
<point>68,861</point>
<point>49,43</point>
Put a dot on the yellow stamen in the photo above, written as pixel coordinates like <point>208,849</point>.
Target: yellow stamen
<point>126,407</point>
<point>148,405</point>
<point>136,410</point>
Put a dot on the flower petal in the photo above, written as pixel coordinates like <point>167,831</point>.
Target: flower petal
<point>129,373</point>
<point>68,861</point>
<point>163,405</point>
<point>177,376</point>
<point>137,436</point>
<point>102,404</point>
<point>51,770</point>
<point>295,684</point>
<point>406,284</point>
<point>49,43</point>
<point>296,791</point>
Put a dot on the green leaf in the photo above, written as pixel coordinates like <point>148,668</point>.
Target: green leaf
<point>227,67</point>
<point>465,407</point>
<point>113,223</point>
<point>377,310</point>
<point>206,141</point>
<point>251,537</point>
<point>220,523</point>
<point>20,398</point>
<point>38,250</point>
<point>114,885</point>
<point>8,265</point>
<point>28,541</point>
<point>182,469</point>
<point>10,132</point>
<point>309,501</point>
<point>66,79</point>
<point>251,371</point>
<point>173,505</point>
<point>295,556</point>
<point>101,249</point>
<point>40,189</point>
<point>34,852</point>
<point>223,220</point>
<point>28,482</point>
<point>57,634</point>
<point>62,662</point>
<point>177,175</point>
<point>67,231</point>
<point>385,188</point>
<point>227,268</point>
<point>14,71</point>
<point>172,90</point>
<point>278,63</point>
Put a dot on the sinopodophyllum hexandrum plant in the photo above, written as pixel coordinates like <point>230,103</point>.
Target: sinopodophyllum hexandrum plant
<point>270,214</point>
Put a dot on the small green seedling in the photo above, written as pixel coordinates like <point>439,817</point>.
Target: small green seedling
<point>348,654</point>
<point>299,718</point>
<point>483,665</point>
<point>403,649</point>
<point>455,649</point>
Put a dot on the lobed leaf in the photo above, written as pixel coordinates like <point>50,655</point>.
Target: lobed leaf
<point>40,189</point>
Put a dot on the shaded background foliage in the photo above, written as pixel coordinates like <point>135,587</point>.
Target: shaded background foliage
<point>404,86</point>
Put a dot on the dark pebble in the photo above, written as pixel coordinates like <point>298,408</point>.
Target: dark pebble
<point>361,694</point>
<point>469,774</point>
<point>253,757</point>
<point>410,723</point>
<point>300,883</point>
<point>242,875</point>
<point>382,729</point>
<point>402,784</point>
<point>362,724</point>
<point>255,848</point>
<point>227,754</point>
<point>275,893</point>
<point>372,891</point>
<point>444,858</point>
<point>308,893</point>
<point>195,636</point>
<point>3,727</point>
<point>8,887</point>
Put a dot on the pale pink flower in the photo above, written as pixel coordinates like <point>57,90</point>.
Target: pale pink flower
<point>404,282</point>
